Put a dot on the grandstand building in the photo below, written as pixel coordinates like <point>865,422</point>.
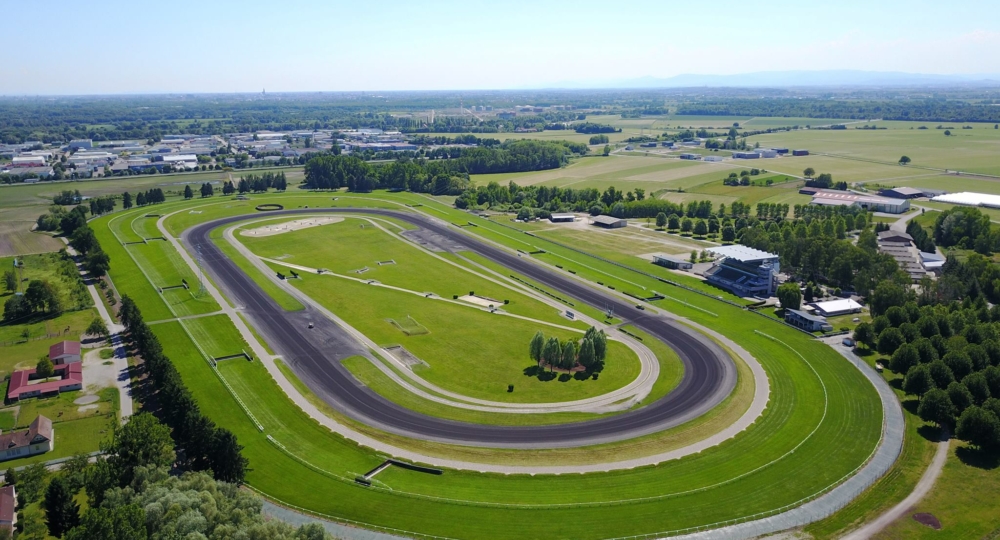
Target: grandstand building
<point>745,271</point>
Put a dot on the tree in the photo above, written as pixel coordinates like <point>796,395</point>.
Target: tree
<point>700,228</point>
<point>960,397</point>
<point>10,280</point>
<point>83,240</point>
<point>809,172</point>
<point>61,511</point>
<point>904,358</point>
<point>142,441</point>
<point>918,381</point>
<point>225,457</point>
<point>206,190</point>
<point>947,133</point>
<point>889,340</point>
<point>31,481</point>
<point>979,427</point>
<point>536,346</point>
<point>587,357</point>
<point>886,294</point>
<point>552,352</point>
<point>607,150</point>
<point>568,359</point>
<point>789,295</point>
<point>936,407</point>
<point>728,233</point>
<point>959,363</point>
<point>188,193</point>
<point>97,328</point>
<point>126,200</point>
<point>673,222</point>
<point>44,368</point>
<point>904,160</point>
<point>600,345</point>
<point>120,522</point>
<point>97,263</point>
<point>661,222</point>
<point>865,335</point>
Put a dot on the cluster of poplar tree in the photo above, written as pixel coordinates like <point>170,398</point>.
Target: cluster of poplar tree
<point>552,353</point>
<point>205,445</point>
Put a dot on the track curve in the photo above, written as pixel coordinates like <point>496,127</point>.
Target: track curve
<point>315,354</point>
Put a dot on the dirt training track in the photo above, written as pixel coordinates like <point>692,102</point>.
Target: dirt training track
<point>315,354</point>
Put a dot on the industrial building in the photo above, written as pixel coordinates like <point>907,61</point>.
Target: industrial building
<point>836,307</point>
<point>745,271</point>
<point>28,161</point>
<point>746,155</point>
<point>781,151</point>
<point>672,262</point>
<point>690,156</point>
<point>909,193</point>
<point>800,152</point>
<point>562,218</point>
<point>609,222</point>
<point>899,246</point>
<point>81,144</point>
<point>713,158</point>
<point>768,154</point>
<point>807,321</point>
<point>968,198</point>
<point>874,203</point>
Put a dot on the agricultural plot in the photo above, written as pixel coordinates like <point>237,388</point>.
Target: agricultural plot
<point>16,238</point>
<point>972,150</point>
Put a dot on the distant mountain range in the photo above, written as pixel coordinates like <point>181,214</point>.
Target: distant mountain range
<point>786,79</point>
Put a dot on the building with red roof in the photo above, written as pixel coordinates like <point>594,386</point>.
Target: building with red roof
<point>65,352</point>
<point>24,383</point>
<point>8,515</point>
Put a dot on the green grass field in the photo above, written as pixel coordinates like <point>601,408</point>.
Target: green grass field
<point>695,490</point>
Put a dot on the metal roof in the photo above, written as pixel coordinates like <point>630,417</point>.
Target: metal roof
<point>742,253</point>
<point>607,220</point>
<point>808,316</point>
<point>837,305</point>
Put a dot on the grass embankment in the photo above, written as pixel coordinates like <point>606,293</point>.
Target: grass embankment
<point>840,441</point>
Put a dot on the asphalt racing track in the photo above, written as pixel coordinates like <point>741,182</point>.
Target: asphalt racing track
<point>315,354</point>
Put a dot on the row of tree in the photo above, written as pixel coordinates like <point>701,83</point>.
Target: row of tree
<point>205,445</point>
<point>590,352</point>
<point>338,171</point>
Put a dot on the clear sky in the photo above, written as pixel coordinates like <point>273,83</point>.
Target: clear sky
<point>117,46</point>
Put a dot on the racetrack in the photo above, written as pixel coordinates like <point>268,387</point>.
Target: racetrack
<point>315,354</point>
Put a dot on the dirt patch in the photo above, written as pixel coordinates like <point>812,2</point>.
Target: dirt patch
<point>481,301</point>
<point>928,519</point>
<point>86,400</point>
<point>289,226</point>
<point>86,408</point>
<point>406,357</point>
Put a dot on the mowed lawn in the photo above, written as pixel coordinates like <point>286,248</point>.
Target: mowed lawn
<point>468,350</point>
<point>693,491</point>
<point>355,244</point>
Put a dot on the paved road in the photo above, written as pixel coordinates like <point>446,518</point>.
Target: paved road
<point>315,354</point>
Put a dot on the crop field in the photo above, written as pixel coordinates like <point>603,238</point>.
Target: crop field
<point>816,399</point>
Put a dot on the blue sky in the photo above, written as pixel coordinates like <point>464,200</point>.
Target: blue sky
<point>112,46</point>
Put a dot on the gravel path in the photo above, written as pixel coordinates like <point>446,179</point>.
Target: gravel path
<point>922,488</point>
